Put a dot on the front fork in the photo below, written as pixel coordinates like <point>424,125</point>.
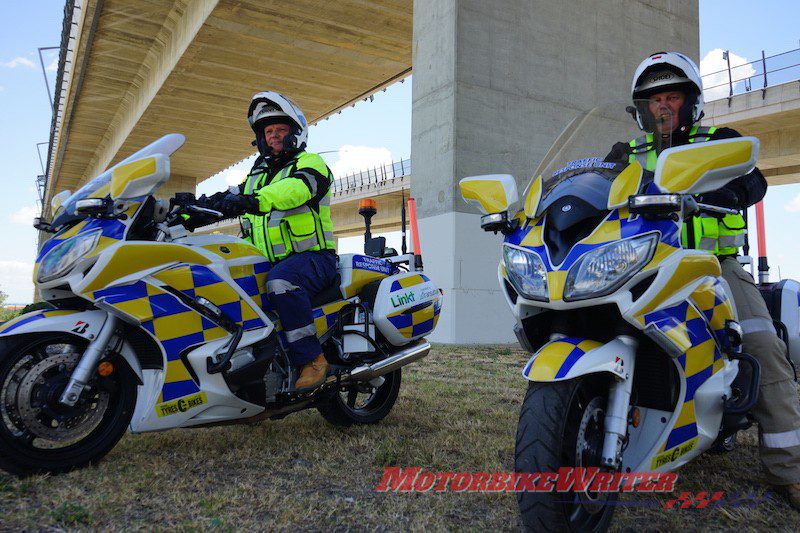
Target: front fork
<point>88,362</point>
<point>616,420</point>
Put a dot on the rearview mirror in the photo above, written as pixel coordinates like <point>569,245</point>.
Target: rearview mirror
<point>703,167</point>
<point>91,206</point>
<point>494,195</point>
<point>490,193</point>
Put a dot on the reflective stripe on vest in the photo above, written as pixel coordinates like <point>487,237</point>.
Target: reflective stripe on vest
<point>720,237</point>
<point>280,233</point>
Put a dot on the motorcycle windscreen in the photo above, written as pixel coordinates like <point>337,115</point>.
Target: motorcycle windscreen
<point>99,187</point>
<point>608,137</point>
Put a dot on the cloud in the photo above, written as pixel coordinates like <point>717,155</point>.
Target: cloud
<point>15,280</point>
<point>53,66</point>
<point>2,88</point>
<point>794,205</point>
<point>714,70</point>
<point>24,216</point>
<point>236,174</point>
<point>357,158</point>
<point>17,62</point>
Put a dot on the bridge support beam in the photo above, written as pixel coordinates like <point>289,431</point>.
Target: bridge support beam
<point>494,84</point>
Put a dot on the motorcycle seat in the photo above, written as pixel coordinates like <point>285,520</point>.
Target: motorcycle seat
<point>330,294</point>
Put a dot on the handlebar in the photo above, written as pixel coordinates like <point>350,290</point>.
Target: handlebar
<point>716,209</point>
<point>198,209</point>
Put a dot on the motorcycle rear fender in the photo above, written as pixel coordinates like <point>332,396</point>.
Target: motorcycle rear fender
<point>570,357</point>
<point>85,324</point>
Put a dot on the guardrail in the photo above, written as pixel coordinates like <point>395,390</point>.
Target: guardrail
<point>397,169</point>
<point>759,74</point>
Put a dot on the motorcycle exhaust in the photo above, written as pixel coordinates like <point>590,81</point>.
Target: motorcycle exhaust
<point>391,363</point>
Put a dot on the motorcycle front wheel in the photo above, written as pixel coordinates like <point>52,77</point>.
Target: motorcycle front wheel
<point>38,434</point>
<point>561,425</point>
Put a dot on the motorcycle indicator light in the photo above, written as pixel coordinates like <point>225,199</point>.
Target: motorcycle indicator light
<point>63,257</point>
<point>526,272</point>
<point>105,369</point>
<point>604,269</point>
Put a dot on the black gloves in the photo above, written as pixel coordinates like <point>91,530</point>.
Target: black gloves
<point>234,205</point>
<point>211,202</point>
<point>721,198</point>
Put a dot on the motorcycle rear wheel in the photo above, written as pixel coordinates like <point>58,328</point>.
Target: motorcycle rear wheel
<point>561,425</point>
<point>40,435</point>
<point>368,406</point>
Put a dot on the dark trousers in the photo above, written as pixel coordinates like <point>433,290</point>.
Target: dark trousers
<point>290,286</point>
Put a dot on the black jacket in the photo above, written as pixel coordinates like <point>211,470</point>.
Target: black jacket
<point>749,189</point>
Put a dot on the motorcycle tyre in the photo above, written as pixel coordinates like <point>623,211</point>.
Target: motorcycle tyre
<point>22,460</point>
<point>545,423</point>
<point>336,411</point>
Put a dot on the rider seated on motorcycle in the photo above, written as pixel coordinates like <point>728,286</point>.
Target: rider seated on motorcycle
<point>668,97</point>
<point>285,208</point>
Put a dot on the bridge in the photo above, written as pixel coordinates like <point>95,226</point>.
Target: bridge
<point>133,70</point>
<point>388,185</point>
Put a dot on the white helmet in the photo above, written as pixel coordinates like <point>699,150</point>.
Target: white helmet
<point>664,71</point>
<point>269,107</point>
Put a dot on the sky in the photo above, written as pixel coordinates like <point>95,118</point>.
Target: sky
<point>366,135</point>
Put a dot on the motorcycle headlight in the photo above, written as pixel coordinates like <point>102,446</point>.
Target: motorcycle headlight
<point>526,272</point>
<point>64,256</point>
<point>604,269</point>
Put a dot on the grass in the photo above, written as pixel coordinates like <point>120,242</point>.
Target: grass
<point>457,411</point>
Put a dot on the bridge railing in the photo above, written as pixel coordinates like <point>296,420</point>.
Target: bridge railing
<point>375,175</point>
<point>755,75</point>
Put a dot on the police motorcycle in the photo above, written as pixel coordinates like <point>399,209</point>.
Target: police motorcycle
<point>154,328</point>
<point>636,359</point>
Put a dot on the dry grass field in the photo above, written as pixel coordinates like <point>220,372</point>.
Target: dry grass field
<point>457,412</point>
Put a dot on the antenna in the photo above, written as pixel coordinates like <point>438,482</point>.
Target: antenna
<point>403,221</point>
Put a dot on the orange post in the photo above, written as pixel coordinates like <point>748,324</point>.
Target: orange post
<point>412,211</point>
<point>763,265</point>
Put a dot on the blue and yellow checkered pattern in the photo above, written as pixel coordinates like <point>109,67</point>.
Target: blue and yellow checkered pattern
<point>418,320</point>
<point>196,281</point>
<point>325,316</point>
<point>175,326</point>
<point>711,300</point>
<point>557,358</point>
<point>408,281</point>
<point>687,329</point>
<point>252,279</point>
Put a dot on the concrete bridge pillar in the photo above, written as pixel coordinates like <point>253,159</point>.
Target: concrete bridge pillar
<point>494,83</point>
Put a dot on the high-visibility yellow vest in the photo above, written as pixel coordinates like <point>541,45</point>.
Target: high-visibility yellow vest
<point>280,233</point>
<point>705,232</point>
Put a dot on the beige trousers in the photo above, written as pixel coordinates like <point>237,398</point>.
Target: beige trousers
<point>777,410</point>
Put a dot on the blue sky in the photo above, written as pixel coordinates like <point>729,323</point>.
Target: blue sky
<point>365,135</point>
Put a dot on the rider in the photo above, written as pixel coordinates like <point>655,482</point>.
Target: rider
<point>667,93</point>
<point>285,209</point>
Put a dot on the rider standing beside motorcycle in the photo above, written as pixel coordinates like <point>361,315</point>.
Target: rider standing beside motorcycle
<point>668,96</point>
<point>285,209</point>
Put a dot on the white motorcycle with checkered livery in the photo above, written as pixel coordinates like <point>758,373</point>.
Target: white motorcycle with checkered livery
<point>150,327</point>
<point>636,363</point>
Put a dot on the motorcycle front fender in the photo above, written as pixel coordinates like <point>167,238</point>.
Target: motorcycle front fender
<point>570,357</point>
<point>85,324</point>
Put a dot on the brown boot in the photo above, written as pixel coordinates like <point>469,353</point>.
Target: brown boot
<point>792,494</point>
<point>312,374</point>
